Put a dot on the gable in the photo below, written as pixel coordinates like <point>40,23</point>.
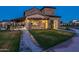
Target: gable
<point>36,16</point>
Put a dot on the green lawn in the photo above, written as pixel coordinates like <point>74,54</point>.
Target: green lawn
<point>9,40</point>
<point>50,38</point>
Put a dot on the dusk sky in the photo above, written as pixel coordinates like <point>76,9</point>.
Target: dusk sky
<point>67,13</point>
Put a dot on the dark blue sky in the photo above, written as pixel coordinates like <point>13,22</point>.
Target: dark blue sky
<point>67,13</point>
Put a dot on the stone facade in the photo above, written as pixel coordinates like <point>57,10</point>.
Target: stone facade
<point>44,18</point>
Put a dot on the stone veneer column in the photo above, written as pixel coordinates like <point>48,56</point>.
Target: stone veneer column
<point>56,23</point>
<point>27,24</point>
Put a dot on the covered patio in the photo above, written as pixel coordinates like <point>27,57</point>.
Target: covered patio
<point>37,23</point>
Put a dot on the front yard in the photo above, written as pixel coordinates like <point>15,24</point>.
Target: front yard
<point>9,40</point>
<point>50,38</point>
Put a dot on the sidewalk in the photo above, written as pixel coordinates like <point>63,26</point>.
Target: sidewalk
<point>27,44</point>
<point>71,45</point>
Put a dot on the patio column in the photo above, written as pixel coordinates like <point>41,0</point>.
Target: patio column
<point>56,23</point>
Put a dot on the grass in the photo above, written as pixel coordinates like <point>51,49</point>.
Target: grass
<point>50,38</point>
<point>9,41</point>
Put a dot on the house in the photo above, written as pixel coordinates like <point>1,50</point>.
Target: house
<point>44,18</point>
<point>3,25</point>
<point>75,23</point>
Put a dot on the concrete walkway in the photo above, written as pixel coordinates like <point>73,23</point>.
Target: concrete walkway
<point>27,43</point>
<point>71,45</point>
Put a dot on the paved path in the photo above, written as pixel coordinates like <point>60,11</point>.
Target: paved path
<point>27,44</point>
<point>71,45</point>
